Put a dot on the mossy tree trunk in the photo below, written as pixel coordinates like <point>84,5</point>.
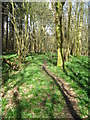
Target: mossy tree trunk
<point>13,20</point>
<point>7,30</point>
<point>60,59</point>
<point>75,29</point>
<point>26,36</point>
<point>22,39</point>
<point>69,28</point>
<point>80,29</point>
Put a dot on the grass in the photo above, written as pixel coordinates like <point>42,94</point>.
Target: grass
<point>39,95</point>
<point>76,74</point>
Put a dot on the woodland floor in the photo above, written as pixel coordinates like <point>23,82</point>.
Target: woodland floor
<point>39,95</point>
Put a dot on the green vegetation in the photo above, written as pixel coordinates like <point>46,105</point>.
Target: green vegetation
<point>39,95</point>
<point>44,61</point>
<point>76,74</point>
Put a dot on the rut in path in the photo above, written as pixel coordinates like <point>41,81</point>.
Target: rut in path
<point>67,93</point>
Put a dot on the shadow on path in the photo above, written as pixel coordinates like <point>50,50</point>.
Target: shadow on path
<point>68,102</point>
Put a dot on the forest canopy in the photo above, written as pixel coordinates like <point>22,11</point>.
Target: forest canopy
<point>35,27</point>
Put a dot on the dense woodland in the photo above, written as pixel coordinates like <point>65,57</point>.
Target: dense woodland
<point>45,60</point>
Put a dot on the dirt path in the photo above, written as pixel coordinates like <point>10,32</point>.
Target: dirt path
<point>65,111</point>
<point>69,96</point>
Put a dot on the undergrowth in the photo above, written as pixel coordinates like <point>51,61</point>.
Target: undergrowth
<point>39,95</point>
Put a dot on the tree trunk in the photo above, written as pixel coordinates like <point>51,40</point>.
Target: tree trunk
<point>69,27</point>
<point>32,40</point>
<point>60,59</point>
<point>7,31</point>
<point>80,29</point>
<point>13,37</point>
<point>75,30</point>
<point>2,25</point>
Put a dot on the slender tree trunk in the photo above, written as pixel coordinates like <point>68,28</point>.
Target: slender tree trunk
<point>80,29</point>
<point>30,34</point>
<point>7,31</point>
<point>39,41</point>
<point>77,25</point>
<point>34,39</point>
<point>43,38</point>
<point>61,47</point>
<point>32,43</point>
<point>69,27</point>
<point>2,26</point>
<point>75,31</point>
<point>12,37</point>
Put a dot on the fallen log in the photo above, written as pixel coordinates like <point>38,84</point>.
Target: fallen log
<point>11,64</point>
